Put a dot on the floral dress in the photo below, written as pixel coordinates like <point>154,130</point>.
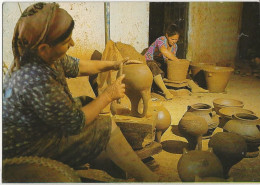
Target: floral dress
<point>41,118</point>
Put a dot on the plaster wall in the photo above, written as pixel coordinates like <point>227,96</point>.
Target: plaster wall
<point>214,32</point>
<point>129,24</point>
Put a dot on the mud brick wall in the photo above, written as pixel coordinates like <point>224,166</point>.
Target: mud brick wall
<point>213,34</point>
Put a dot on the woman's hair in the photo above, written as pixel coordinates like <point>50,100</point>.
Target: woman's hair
<point>172,29</point>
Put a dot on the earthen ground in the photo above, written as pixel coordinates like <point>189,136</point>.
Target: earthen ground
<point>246,89</point>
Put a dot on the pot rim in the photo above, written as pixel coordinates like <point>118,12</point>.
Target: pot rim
<point>222,113</point>
<point>216,102</point>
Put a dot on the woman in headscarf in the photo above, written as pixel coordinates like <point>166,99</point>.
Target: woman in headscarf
<point>40,116</point>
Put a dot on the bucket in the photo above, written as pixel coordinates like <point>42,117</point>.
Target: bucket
<point>217,78</point>
<point>177,71</point>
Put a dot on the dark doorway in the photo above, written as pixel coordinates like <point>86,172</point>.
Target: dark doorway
<point>165,13</point>
<point>249,40</point>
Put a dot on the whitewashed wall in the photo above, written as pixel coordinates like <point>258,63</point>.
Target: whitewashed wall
<point>129,24</point>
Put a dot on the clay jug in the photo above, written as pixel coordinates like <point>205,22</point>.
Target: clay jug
<point>248,126</point>
<point>138,80</point>
<point>217,77</point>
<point>205,111</point>
<point>229,147</point>
<point>177,71</point>
<point>192,127</point>
<point>200,163</point>
<point>162,122</point>
<point>227,112</point>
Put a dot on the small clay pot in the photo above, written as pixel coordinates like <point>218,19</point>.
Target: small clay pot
<point>229,147</point>
<point>177,71</point>
<point>162,121</point>
<point>192,127</point>
<point>205,111</point>
<point>217,77</point>
<point>199,163</point>
<point>248,126</point>
<point>227,112</point>
<point>226,102</point>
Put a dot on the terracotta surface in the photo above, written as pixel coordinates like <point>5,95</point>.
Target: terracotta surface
<point>177,71</point>
<point>192,127</point>
<point>230,148</point>
<point>227,112</point>
<point>248,126</point>
<point>162,121</point>
<point>200,163</point>
<point>226,102</point>
<point>138,80</point>
<point>217,78</point>
<point>205,111</point>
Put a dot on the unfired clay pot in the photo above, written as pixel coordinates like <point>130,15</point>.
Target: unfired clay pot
<point>199,163</point>
<point>162,121</point>
<point>227,112</point>
<point>229,147</point>
<point>217,77</point>
<point>138,80</point>
<point>248,126</point>
<point>192,127</point>
<point>226,102</point>
<point>177,71</point>
<point>198,73</point>
<point>205,111</point>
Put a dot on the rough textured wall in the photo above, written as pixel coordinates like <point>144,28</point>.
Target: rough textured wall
<point>89,31</point>
<point>130,23</point>
<point>213,31</point>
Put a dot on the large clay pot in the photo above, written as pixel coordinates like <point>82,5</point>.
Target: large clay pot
<point>199,163</point>
<point>217,78</point>
<point>138,80</point>
<point>162,122</point>
<point>248,126</point>
<point>229,147</point>
<point>198,73</point>
<point>205,111</point>
<point>177,71</point>
<point>192,127</point>
<point>220,103</point>
<point>227,112</point>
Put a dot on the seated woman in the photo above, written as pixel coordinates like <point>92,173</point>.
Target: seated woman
<point>162,49</point>
<point>40,117</point>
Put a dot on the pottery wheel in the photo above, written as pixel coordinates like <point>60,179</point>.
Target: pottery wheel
<point>177,84</point>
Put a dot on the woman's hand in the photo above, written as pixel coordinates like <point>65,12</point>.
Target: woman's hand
<point>126,61</point>
<point>115,90</point>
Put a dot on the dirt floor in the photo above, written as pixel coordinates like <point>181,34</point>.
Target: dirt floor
<point>246,89</point>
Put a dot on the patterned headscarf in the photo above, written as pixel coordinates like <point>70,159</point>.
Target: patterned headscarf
<point>39,23</point>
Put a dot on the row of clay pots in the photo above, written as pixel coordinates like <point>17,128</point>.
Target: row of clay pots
<point>234,118</point>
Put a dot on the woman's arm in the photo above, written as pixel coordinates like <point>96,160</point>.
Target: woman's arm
<point>168,54</point>
<point>112,92</point>
<point>90,67</point>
